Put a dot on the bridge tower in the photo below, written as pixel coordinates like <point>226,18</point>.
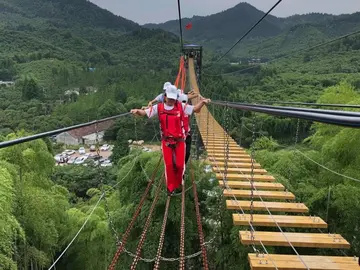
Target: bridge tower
<point>195,52</point>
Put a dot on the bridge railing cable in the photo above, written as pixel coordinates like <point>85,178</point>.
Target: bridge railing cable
<point>340,120</point>
<point>311,104</point>
<point>273,102</point>
<point>57,131</point>
<point>180,25</point>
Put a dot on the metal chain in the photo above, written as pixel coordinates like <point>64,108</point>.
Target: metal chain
<point>198,220</point>
<point>297,131</point>
<point>121,248</point>
<point>191,256</point>
<point>252,180</point>
<point>162,235</point>
<point>182,230</point>
<point>146,226</point>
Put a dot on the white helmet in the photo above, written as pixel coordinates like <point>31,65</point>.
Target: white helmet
<point>166,85</point>
<point>171,92</point>
<point>183,98</point>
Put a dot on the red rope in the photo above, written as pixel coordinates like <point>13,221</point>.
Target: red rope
<point>179,72</point>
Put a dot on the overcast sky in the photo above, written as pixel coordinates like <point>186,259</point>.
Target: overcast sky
<point>144,11</point>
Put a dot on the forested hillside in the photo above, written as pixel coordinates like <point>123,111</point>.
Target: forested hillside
<point>53,50</point>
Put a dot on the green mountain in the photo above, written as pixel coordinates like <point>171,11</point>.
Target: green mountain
<point>272,37</point>
<point>79,31</point>
<point>226,25</point>
<point>68,58</point>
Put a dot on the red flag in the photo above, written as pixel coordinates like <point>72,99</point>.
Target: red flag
<point>188,26</point>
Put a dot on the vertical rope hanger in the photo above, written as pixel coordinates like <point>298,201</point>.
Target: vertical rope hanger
<point>252,182</point>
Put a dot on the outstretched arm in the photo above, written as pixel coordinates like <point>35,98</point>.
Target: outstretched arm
<point>138,112</point>
<point>197,107</point>
<point>152,102</point>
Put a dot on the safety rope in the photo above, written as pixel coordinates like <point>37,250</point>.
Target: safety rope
<point>102,184</point>
<point>162,235</point>
<point>182,230</point>
<point>146,226</point>
<point>297,132</point>
<point>198,220</point>
<point>183,80</point>
<point>252,230</point>
<point>131,224</point>
<point>180,72</point>
<point>207,126</point>
<point>180,26</point>
<point>226,142</point>
<point>241,129</point>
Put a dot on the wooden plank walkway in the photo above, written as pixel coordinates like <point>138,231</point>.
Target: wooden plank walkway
<point>233,164</point>
<point>272,206</point>
<point>240,160</point>
<point>238,175</point>
<point>276,195</point>
<point>293,262</point>
<point>239,170</point>
<point>258,185</point>
<point>282,220</point>
<point>247,177</point>
<point>310,240</point>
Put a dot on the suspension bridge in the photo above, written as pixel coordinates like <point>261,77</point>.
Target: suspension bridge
<point>267,214</point>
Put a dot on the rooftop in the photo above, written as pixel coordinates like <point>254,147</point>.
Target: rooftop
<point>84,131</point>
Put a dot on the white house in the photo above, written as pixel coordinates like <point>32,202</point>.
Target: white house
<point>84,135</point>
<point>6,83</point>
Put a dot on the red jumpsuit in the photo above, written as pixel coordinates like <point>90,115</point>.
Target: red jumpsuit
<point>172,144</point>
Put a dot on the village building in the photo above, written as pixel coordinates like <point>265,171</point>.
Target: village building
<point>6,83</point>
<point>84,135</point>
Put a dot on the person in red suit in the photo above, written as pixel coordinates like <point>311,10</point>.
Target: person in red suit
<point>171,115</point>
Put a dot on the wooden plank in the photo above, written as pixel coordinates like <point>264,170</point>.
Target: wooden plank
<point>293,262</point>
<point>275,195</point>
<point>310,240</point>
<point>239,170</point>
<point>232,148</point>
<point>209,143</point>
<point>272,206</point>
<point>258,185</point>
<point>240,160</point>
<point>222,150</point>
<point>282,220</point>
<point>221,155</point>
<point>235,164</point>
<point>231,176</point>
